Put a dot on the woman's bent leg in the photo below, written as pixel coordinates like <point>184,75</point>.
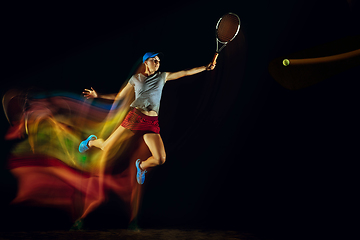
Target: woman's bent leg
<point>120,132</point>
<point>157,149</point>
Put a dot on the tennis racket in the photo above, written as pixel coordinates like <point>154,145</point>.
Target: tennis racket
<point>227,28</point>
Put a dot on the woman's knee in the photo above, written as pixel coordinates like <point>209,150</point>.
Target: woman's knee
<point>160,159</point>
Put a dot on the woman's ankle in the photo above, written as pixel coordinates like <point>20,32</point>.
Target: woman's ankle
<point>98,143</point>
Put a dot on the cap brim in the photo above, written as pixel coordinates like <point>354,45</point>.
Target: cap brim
<point>159,54</point>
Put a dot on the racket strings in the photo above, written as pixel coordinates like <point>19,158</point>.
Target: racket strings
<point>227,27</point>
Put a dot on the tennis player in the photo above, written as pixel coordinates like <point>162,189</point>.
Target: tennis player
<point>147,85</point>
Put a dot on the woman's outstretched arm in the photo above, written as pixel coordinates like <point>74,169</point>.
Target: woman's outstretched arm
<point>91,93</point>
<point>180,74</point>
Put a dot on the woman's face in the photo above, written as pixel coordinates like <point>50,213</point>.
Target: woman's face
<point>153,64</point>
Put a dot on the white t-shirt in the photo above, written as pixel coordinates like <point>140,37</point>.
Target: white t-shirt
<point>148,91</point>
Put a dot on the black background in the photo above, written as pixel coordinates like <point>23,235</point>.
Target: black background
<point>243,152</point>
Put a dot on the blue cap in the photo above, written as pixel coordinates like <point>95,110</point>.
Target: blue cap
<point>149,55</point>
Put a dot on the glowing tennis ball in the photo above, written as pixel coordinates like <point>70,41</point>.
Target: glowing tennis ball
<point>286,62</point>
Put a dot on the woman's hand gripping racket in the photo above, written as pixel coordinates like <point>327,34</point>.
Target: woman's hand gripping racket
<point>227,28</point>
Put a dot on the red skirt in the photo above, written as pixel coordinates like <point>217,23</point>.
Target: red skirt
<point>135,120</point>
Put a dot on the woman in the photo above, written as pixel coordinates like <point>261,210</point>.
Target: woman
<point>147,86</point>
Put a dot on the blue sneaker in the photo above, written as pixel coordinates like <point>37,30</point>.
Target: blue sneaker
<point>140,174</point>
<point>84,144</point>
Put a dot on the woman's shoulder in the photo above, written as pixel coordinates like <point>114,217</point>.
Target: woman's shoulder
<point>138,77</point>
<point>162,74</point>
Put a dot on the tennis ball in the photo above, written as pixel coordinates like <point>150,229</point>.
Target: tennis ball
<point>286,62</point>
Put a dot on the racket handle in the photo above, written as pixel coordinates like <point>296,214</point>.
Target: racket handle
<point>215,58</point>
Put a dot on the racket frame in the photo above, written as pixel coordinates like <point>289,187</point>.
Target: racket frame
<point>223,43</point>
